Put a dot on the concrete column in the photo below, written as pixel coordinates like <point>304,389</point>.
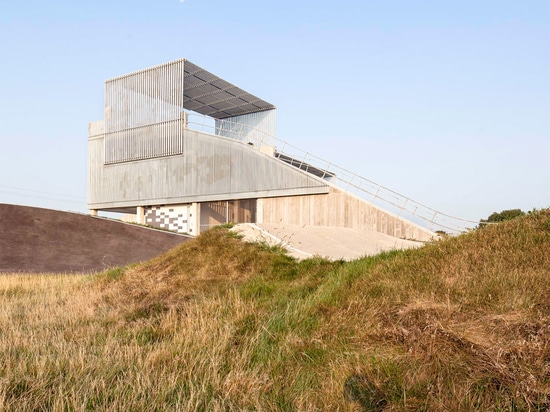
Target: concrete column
<point>140,215</point>
<point>259,211</point>
<point>93,212</point>
<point>195,219</point>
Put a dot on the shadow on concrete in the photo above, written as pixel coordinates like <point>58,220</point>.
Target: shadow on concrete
<point>40,240</point>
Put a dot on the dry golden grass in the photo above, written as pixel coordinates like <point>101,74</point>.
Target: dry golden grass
<point>216,324</point>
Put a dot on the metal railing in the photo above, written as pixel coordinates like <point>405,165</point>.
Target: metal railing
<point>372,192</point>
<point>231,129</point>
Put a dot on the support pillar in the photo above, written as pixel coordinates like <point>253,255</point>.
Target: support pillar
<point>195,219</point>
<point>93,212</point>
<point>140,215</point>
<point>259,211</point>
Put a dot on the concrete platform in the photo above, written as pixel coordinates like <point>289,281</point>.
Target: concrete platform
<point>329,242</point>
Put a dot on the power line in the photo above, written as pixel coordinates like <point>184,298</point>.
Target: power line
<point>39,194</point>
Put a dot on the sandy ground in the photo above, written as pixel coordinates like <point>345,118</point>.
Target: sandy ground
<point>329,242</point>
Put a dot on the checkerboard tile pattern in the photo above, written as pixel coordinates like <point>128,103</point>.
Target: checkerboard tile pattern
<point>174,218</point>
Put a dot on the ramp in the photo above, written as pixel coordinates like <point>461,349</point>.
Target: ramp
<point>333,243</point>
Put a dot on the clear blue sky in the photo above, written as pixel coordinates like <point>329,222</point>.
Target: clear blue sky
<point>447,102</point>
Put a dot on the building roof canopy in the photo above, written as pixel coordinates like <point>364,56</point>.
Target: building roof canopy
<point>208,94</point>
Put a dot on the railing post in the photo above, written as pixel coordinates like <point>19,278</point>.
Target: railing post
<point>432,222</point>
<point>375,194</point>
<point>202,124</point>
<point>403,207</point>
<point>349,182</point>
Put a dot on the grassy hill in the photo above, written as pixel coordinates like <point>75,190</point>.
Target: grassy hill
<point>217,324</point>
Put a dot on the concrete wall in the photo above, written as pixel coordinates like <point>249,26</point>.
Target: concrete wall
<point>337,208</point>
<point>211,168</point>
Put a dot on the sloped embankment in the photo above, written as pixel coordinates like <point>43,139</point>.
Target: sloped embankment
<point>41,240</point>
<point>460,324</point>
<point>217,259</point>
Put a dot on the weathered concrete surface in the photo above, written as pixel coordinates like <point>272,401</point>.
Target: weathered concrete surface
<point>40,240</point>
<point>338,208</point>
<point>330,242</point>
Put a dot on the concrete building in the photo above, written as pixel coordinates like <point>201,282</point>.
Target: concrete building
<point>150,157</point>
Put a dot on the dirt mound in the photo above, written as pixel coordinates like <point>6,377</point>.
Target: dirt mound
<point>49,241</point>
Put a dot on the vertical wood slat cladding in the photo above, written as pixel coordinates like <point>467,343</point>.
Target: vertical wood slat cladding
<point>209,168</point>
<point>338,208</point>
<point>229,211</point>
<point>143,114</point>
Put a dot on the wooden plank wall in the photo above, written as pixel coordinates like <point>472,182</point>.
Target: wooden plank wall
<point>340,209</point>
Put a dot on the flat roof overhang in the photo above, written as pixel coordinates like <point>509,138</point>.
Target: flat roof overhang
<point>210,95</point>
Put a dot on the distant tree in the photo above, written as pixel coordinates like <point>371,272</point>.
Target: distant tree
<point>508,214</point>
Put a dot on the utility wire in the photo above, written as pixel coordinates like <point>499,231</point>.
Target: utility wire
<point>39,194</point>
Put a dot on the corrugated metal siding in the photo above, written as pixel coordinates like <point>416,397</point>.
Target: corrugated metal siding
<point>143,114</point>
<point>143,98</point>
<point>146,142</point>
<point>210,168</point>
<point>143,110</point>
